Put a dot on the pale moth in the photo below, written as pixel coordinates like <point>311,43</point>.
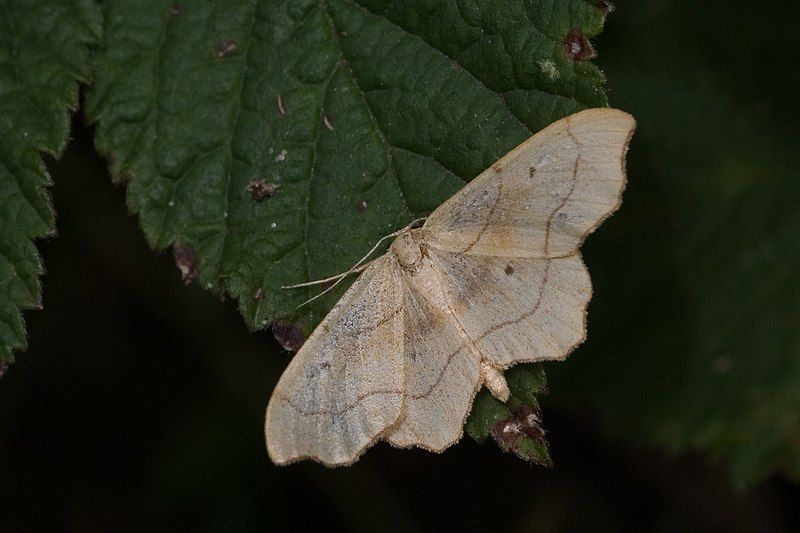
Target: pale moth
<point>493,278</point>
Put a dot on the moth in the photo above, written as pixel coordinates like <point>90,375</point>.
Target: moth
<point>493,278</point>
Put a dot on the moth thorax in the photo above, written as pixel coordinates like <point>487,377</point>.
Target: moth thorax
<point>409,249</point>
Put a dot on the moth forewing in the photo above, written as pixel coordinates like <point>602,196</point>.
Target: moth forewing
<point>345,386</point>
<point>542,198</point>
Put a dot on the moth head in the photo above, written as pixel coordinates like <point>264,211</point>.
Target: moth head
<point>409,249</point>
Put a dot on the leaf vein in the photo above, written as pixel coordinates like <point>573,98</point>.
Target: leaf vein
<point>373,118</point>
<point>441,52</point>
<point>238,107</point>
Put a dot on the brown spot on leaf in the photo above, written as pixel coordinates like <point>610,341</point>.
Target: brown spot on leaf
<point>175,10</point>
<point>362,206</point>
<point>577,46</point>
<point>226,47</point>
<point>525,421</point>
<point>258,294</point>
<point>289,336</point>
<point>530,420</point>
<point>509,270</point>
<point>118,175</point>
<point>186,261</point>
<point>505,433</point>
<point>605,6</point>
<point>260,189</point>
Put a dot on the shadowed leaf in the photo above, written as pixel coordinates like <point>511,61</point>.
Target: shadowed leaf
<point>43,55</point>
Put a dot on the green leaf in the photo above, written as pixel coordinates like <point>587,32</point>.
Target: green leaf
<point>362,115</point>
<point>697,310</point>
<point>43,55</point>
<point>516,424</point>
<point>274,142</point>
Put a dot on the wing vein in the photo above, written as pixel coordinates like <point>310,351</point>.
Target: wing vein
<point>526,314</point>
<point>489,216</point>
<point>335,412</point>
<point>568,195</point>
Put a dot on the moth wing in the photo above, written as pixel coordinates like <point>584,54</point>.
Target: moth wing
<point>345,385</point>
<point>517,309</point>
<point>442,372</point>
<point>543,197</point>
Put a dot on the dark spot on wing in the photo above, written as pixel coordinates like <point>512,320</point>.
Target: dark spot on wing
<point>509,270</point>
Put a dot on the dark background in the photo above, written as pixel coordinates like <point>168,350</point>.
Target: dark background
<point>140,401</point>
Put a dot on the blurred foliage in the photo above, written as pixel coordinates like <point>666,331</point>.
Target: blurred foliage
<point>43,55</point>
<point>694,337</point>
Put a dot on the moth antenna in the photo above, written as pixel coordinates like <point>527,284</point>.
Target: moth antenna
<point>326,280</point>
<point>358,267</point>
